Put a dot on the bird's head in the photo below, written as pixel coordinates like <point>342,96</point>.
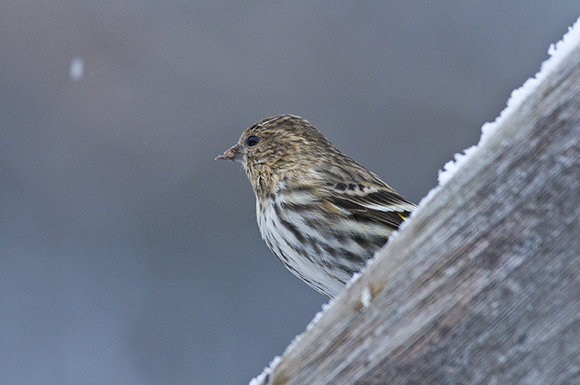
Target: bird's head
<point>275,147</point>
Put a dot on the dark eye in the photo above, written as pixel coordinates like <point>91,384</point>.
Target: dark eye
<point>252,141</point>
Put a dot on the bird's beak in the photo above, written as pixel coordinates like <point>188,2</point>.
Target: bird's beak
<point>232,154</point>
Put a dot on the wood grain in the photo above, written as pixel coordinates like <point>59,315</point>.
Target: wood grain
<point>483,285</point>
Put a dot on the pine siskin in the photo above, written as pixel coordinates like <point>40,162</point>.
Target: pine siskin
<point>320,212</point>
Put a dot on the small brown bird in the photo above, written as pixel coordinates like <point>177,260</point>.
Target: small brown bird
<point>319,211</point>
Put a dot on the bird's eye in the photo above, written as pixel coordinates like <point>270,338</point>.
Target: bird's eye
<point>252,141</point>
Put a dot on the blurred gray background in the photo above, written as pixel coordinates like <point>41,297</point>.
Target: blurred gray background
<point>127,254</point>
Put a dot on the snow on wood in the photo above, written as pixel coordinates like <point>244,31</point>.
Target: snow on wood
<point>482,286</point>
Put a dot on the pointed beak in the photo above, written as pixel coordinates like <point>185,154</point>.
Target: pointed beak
<point>232,154</point>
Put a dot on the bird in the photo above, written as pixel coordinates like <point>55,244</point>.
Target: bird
<point>318,210</point>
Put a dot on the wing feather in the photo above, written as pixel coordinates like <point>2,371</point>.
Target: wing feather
<point>374,204</point>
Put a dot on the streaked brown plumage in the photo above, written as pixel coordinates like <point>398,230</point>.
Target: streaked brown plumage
<point>320,212</point>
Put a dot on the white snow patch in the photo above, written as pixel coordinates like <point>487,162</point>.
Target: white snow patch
<point>365,297</point>
<point>317,317</point>
<point>356,276</point>
<point>261,378</point>
<point>557,54</point>
<point>76,68</point>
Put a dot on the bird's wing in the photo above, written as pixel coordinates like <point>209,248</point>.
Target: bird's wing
<point>371,202</point>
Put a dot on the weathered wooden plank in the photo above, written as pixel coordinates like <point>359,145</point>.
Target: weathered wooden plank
<point>483,285</point>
